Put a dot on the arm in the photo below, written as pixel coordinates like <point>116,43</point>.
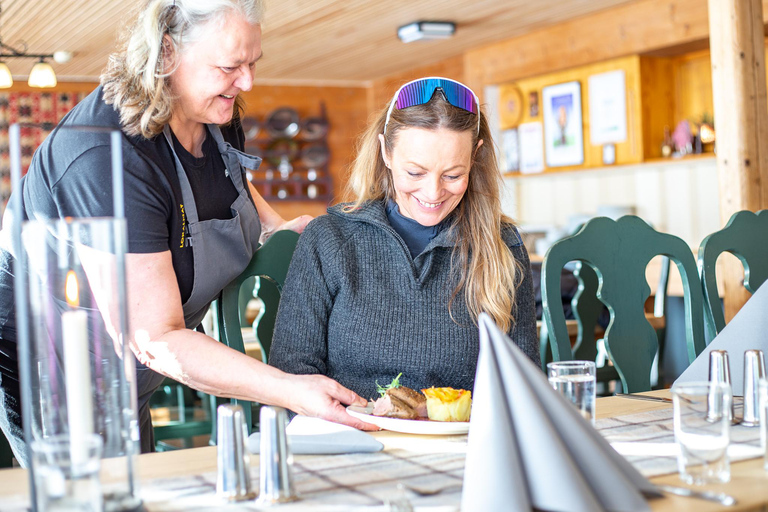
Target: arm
<point>158,336</point>
<point>160,340</point>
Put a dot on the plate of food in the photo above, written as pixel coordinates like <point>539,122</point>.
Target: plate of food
<point>433,411</point>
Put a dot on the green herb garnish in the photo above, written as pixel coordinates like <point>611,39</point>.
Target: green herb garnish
<point>392,385</point>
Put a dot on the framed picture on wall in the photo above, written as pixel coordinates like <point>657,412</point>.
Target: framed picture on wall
<point>563,129</point>
<point>510,150</point>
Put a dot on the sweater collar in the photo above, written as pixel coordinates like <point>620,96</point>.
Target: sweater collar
<point>375,214</point>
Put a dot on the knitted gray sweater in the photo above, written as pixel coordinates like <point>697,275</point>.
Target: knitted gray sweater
<point>357,308</point>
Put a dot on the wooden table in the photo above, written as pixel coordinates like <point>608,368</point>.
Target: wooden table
<point>749,481</point>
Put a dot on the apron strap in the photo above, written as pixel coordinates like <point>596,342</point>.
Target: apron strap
<point>190,207</point>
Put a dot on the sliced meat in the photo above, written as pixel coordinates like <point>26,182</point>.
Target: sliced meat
<point>392,407</point>
<point>403,403</point>
<point>382,406</point>
<point>415,400</point>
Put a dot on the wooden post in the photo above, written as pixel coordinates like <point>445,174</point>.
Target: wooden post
<point>741,119</point>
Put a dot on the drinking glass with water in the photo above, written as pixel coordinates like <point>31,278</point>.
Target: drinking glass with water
<point>575,380</point>
<point>702,431</point>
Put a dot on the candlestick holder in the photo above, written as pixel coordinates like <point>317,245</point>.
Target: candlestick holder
<point>78,375</point>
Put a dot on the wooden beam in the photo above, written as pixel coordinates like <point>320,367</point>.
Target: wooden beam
<point>741,118</point>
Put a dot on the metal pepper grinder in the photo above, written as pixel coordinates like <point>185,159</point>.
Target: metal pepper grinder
<point>234,476</point>
<point>754,370</point>
<point>719,371</point>
<point>276,479</point>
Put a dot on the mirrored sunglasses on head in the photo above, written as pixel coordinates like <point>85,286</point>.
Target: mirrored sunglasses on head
<point>419,92</point>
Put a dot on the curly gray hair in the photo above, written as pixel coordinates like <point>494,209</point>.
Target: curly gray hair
<point>135,80</point>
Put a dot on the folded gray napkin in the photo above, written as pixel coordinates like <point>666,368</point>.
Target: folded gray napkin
<point>746,331</point>
<point>529,447</point>
<point>313,436</point>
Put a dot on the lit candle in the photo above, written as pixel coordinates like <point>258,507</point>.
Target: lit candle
<point>77,371</point>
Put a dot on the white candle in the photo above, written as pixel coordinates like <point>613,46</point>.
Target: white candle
<point>77,371</point>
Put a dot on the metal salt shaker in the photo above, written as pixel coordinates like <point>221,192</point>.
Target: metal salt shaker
<point>754,370</point>
<point>276,481</point>
<point>234,462</point>
<point>719,371</point>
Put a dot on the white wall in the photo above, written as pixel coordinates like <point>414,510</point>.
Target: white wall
<point>677,196</point>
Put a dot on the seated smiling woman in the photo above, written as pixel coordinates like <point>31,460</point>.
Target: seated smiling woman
<point>395,280</point>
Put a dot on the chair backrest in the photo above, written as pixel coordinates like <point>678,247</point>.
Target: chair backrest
<point>745,237</point>
<point>6,455</point>
<point>618,253</point>
<point>270,264</point>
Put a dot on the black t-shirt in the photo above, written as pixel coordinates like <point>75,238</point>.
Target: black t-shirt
<point>70,175</point>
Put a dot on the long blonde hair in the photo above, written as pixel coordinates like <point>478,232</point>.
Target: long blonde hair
<point>135,80</point>
<point>485,267</point>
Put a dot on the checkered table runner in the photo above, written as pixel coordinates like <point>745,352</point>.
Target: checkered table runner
<point>656,427</point>
<point>344,483</point>
<point>366,481</point>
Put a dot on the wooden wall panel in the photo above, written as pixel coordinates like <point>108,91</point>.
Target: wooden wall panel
<point>347,111</point>
<point>635,28</point>
<point>693,86</point>
<point>658,102</point>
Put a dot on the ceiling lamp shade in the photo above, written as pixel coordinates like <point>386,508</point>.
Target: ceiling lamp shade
<point>6,80</point>
<point>426,31</point>
<point>42,75</point>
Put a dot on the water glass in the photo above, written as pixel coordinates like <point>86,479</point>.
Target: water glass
<point>67,474</point>
<point>575,380</point>
<point>702,431</point>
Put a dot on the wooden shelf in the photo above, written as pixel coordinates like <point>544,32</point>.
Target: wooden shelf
<point>650,161</point>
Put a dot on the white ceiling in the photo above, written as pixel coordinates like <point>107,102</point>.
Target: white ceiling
<point>330,41</point>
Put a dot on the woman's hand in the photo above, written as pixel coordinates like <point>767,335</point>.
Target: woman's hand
<point>271,221</point>
<point>298,224</point>
<point>321,397</point>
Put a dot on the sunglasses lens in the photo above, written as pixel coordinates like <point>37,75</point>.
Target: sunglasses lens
<point>421,91</point>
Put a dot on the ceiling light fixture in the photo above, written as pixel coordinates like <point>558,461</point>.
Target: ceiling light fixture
<point>426,30</point>
<point>42,74</point>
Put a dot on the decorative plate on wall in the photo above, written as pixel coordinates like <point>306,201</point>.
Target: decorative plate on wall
<point>510,106</point>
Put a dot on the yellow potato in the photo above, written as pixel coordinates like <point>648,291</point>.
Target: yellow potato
<point>448,404</point>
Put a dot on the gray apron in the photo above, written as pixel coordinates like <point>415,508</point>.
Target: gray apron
<point>221,249</point>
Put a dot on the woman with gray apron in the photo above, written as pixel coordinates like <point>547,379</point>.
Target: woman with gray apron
<point>193,219</point>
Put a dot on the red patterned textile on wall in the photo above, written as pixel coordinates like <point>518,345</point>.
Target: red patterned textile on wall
<point>44,110</point>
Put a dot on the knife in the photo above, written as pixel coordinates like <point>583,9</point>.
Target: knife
<point>646,397</point>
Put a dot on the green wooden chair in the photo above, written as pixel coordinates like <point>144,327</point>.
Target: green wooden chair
<point>191,420</point>
<point>6,454</point>
<point>270,264</point>
<point>618,253</point>
<point>746,237</point>
<point>587,309</point>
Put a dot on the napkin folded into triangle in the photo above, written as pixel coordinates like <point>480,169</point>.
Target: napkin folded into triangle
<point>746,331</point>
<point>314,436</point>
<point>530,448</point>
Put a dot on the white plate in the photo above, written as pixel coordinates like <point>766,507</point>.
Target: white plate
<point>409,426</point>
